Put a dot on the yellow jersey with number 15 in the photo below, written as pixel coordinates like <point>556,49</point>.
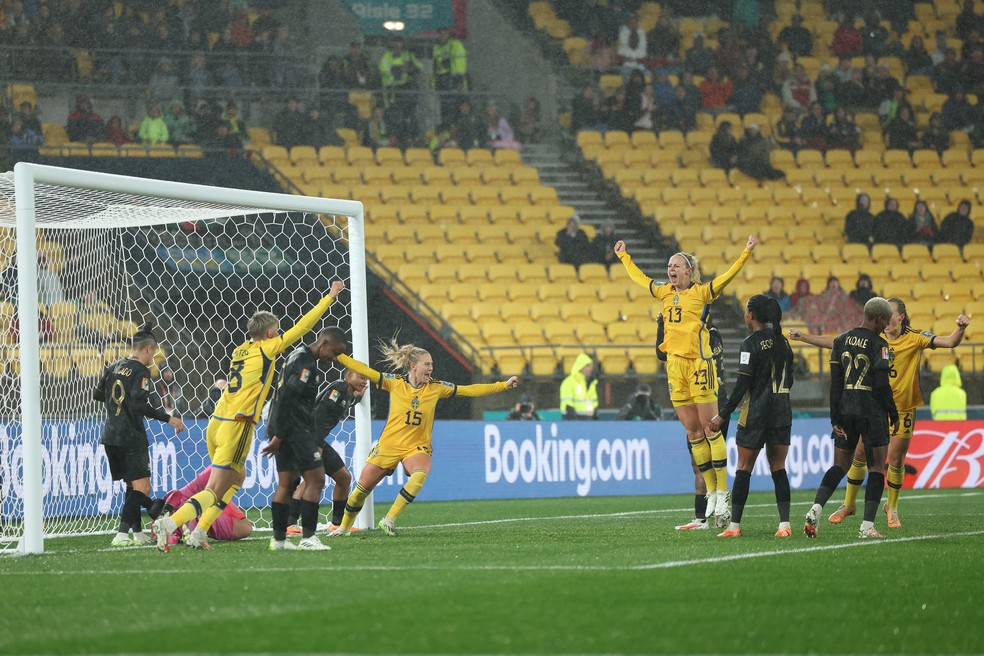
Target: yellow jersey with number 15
<point>904,354</point>
<point>252,368</point>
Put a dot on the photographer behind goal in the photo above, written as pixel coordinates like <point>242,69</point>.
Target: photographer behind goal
<point>640,405</point>
<point>525,410</point>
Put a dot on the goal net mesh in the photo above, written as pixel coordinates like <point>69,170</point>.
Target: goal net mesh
<point>108,262</point>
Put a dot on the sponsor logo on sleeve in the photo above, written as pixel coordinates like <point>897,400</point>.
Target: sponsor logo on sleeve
<point>745,357</point>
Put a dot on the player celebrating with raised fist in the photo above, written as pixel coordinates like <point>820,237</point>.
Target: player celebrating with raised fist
<point>689,365</point>
<point>406,438</point>
<point>230,429</point>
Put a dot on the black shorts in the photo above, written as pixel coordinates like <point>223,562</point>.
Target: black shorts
<point>128,463</point>
<point>331,460</point>
<point>756,438</point>
<point>873,431</point>
<point>300,452</point>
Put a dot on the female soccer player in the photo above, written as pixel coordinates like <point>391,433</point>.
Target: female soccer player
<point>765,376</point>
<point>406,438</point>
<point>689,365</point>
<point>906,345</point>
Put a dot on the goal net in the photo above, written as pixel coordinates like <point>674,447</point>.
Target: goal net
<point>85,258</point>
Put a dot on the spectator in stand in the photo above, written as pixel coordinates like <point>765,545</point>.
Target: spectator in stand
<point>891,226</point>
<point>332,76</point>
<point>843,132</point>
<point>632,107</point>
<point>798,90</point>
<point>729,52</point>
<point>237,127</point>
<point>798,39</point>
<point>585,113</point>
<point>883,86</point>
<point>153,129</point>
<point>164,84</point>
<point>603,245</point>
<point>115,132</point>
<point>359,73</point>
<point>940,47</point>
<point>198,78</point>
<point>859,224</point>
<point>83,123</point>
<point>958,228</point>
<point>470,130</point>
<point>319,130</point>
<point>801,297</point>
<point>647,110</point>
<point>848,40</point>
<point>972,72</point>
<point>971,43</point>
<point>916,59</point>
<point>968,21</point>
<point>632,48</point>
<point>222,142</point>
<point>777,290</point>
<point>957,113</point>
<point>25,144</point>
<point>663,41</point>
<point>206,122</point>
<point>947,75</point>
<point>573,243</point>
<point>56,63</point>
<point>282,49</point>
<point>529,127</point>
<point>29,117</point>
<point>826,87</point>
<point>399,69</point>
<point>679,115</point>
<point>698,58</point>
<point>844,72</point>
<point>288,126</point>
<point>922,225</point>
<point>935,136</point>
<point>852,95</point>
<point>863,290</point>
<point>663,91</point>
<point>832,310</point>
<point>786,131</point>
<point>613,111</point>
<point>813,128</point>
<point>888,109</point>
<point>599,53</point>
<point>901,132</point>
<point>450,78</point>
<point>724,148</point>
<point>377,132</point>
<point>585,16</point>
<point>179,126</point>
<point>748,94</point>
<point>874,36</point>
<point>753,156</point>
<point>715,92</point>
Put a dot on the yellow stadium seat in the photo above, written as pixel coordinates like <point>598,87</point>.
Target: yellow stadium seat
<point>617,138</point>
<point>643,139</point>
<point>451,156</point>
<point>946,254</point>
<point>811,159</point>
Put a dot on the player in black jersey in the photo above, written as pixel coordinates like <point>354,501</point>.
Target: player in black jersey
<point>125,390</point>
<point>861,407</point>
<point>765,376</point>
<point>294,441</point>
<point>332,406</point>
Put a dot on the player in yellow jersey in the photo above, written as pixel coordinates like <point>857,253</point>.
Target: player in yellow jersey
<point>406,438</point>
<point>905,345</point>
<point>230,429</point>
<point>689,364</point>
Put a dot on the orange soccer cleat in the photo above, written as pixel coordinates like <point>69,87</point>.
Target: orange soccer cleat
<point>841,514</point>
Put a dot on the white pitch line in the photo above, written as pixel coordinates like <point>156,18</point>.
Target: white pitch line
<point>525,568</point>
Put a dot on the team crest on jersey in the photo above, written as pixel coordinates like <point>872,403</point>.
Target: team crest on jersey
<point>305,375</point>
<point>415,403</point>
<point>333,396</point>
<point>676,299</point>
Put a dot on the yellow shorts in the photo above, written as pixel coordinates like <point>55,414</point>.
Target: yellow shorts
<point>691,380</point>
<point>907,422</point>
<point>390,459</point>
<point>229,442</point>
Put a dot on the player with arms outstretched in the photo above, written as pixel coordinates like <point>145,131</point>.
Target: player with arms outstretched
<point>689,365</point>
<point>125,390</point>
<point>905,347</point>
<point>230,429</point>
<point>861,408</point>
<point>406,438</point>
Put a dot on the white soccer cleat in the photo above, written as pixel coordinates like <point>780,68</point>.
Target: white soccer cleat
<point>282,545</point>
<point>198,539</point>
<point>339,532</point>
<point>312,544</point>
<point>722,509</point>
<point>388,526</point>
<point>866,533</point>
<point>694,525</point>
<point>711,498</point>
<point>122,540</point>
<point>164,526</point>
<point>812,519</point>
<point>141,538</point>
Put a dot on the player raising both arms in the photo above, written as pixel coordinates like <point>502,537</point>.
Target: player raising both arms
<point>689,365</point>
<point>406,437</point>
<point>293,439</point>
<point>765,376</point>
<point>125,390</point>
<point>230,429</point>
<point>905,347</point>
<point>861,408</point>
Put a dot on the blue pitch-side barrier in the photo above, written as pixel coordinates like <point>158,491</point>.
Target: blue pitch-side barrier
<point>472,460</point>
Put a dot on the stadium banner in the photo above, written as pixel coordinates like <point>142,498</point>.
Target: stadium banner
<point>480,460</point>
<point>419,16</point>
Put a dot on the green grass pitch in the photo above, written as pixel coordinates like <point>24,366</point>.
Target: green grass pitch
<point>557,576</point>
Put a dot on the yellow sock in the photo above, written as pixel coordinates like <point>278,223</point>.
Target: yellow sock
<point>895,478</point>
<point>408,493</point>
<point>212,514</point>
<point>701,450</point>
<point>855,477</point>
<point>719,460</point>
<point>353,506</point>
<point>194,507</point>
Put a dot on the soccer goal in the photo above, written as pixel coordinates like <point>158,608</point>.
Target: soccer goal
<point>86,257</point>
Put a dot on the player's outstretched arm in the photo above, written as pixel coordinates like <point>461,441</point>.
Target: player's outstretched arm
<point>360,368</point>
<point>722,281</point>
<point>953,339</point>
<point>635,273</point>
<point>823,341</point>
<point>176,424</point>
<point>484,389</point>
<point>309,320</point>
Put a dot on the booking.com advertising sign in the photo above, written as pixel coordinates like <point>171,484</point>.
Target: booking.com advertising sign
<point>480,460</point>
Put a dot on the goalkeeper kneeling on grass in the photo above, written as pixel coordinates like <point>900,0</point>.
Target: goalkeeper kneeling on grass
<point>406,438</point>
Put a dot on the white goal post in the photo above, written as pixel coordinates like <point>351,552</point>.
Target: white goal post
<point>62,201</point>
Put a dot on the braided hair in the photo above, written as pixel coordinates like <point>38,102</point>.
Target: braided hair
<point>766,310</point>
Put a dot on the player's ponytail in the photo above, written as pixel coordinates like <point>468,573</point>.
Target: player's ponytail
<point>399,356</point>
<point>693,263</point>
<point>144,337</point>
<point>766,310</point>
<point>903,315</point>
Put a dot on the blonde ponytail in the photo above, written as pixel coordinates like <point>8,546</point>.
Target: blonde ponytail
<point>693,263</point>
<point>401,357</point>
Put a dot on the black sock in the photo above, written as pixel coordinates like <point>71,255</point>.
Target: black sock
<point>338,510</point>
<point>873,490</point>
<point>279,512</point>
<point>294,513</point>
<point>830,481</point>
<point>700,506</point>
<point>781,482</point>
<point>144,500</point>
<point>125,513</point>
<point>309,517</point>
<point>739,494</point>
